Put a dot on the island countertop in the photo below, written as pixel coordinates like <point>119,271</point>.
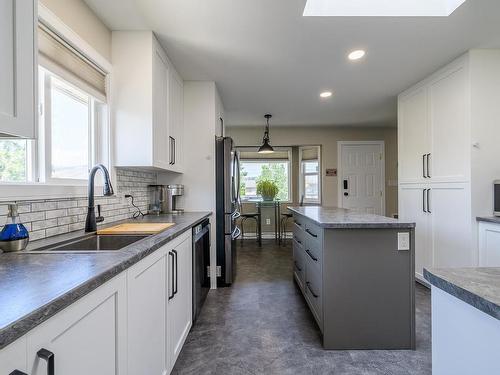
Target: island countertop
<point>341,218</point>
<point>479,286</point>
<point>34,287</point>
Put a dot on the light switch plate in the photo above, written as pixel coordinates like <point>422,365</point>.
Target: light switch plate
<point>403,241</point>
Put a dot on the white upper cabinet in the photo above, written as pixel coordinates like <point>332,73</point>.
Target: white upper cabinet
<point>17,68</point>
<point>449,123</point>
<point>147,111</point>
<point>413,134</point>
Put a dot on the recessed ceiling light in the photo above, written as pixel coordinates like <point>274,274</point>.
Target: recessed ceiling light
<point>381,8</point>
<point>356,55</point>
<point>325,94</point>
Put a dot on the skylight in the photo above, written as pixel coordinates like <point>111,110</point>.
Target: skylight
<point>382,8</point>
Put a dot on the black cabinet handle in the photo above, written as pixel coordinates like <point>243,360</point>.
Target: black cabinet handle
<point>428,201</point>
<point>170,296</point>
<point>17,372</point>
<point>47,356</point>
<point>299,224</point>
<point>176,273</point>
<point>297,266</point>
<point>175,145</point>
<point>297,240</point>
<point>427,157</point>
<point>312,256</point>
<point>312,291</point>
<point>424,175</point>
<point>311,233</point>
<point>423,200</point>
<point>171,147</point>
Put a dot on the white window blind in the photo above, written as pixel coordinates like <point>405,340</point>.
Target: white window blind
<point>57,55</point>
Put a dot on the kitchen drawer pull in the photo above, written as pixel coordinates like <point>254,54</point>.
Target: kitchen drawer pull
<point>170,296</point>
<point>176,273</point>
<point>297,266</point>
<point>311,233</point>
<point>312,291</point>
<point>297,240</point>
<point>299,224</point>
<point>424,192</point>
<point>312,256</point>
<point>47,356</point>
<point>17,372</point>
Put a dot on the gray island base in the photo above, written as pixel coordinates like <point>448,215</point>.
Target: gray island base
<point>359,286</point>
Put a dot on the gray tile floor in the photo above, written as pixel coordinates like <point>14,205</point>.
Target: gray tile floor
<point>262,325</point>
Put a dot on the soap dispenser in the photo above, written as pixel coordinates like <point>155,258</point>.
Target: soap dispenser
<point>14,235</point>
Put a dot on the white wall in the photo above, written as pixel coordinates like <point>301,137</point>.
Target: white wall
<point>327,137</point>
<point>83,21</point>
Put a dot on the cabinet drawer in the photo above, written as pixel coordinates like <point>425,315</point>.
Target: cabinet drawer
<point>298,235</point>
<point>299,265</point>
<point>314,292</point>
<point>314,232</point>
<point>299,222</point>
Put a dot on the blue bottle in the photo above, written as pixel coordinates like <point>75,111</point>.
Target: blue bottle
<point>14,235</point>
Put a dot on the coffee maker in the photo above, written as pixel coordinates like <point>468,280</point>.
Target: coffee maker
<point>174,192</point>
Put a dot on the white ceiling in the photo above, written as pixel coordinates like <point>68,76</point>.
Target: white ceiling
<point>266,57</point>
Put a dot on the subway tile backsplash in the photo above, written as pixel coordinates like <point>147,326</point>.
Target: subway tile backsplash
<point>50,217</point>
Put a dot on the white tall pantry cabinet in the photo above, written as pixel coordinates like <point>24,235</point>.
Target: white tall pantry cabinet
<point>18,68</point>
<point>448,158</point>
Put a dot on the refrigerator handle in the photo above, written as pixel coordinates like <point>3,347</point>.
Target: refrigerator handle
<point>237,173</point>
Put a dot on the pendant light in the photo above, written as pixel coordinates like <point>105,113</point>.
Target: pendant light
<point>266,148</point>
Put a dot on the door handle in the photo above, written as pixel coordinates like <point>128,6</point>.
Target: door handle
<point>170,296</point>
<point>346,184</point>
<point>47,356</point>
<point>176,273</point>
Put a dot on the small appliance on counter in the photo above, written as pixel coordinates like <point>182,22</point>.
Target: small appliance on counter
<point>174,192</point>
<point>14,235</point>
<point>157,199</point>
<point>496,197</point>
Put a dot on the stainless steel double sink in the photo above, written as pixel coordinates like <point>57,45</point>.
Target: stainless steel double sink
<point>91,243</point>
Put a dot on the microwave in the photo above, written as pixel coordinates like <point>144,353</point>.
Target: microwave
<point>496,198</point>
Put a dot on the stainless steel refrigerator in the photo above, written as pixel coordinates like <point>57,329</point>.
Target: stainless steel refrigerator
<point>227,168</point>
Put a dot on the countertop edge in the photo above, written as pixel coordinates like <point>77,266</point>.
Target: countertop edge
<point>464,295</point>
<point>352,225</point>
<point>20,327</point>
<point>488,219</point>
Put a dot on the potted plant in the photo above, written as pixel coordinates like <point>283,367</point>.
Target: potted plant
<point>267,189</point>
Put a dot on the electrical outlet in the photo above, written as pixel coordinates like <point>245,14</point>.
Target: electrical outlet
<point>268,221</point>
<point>404,241</point>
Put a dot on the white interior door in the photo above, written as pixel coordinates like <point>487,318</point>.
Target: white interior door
<point>362,176</point>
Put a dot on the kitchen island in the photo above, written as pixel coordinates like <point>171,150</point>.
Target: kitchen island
<point>356,272</point>
<point>465,320</point>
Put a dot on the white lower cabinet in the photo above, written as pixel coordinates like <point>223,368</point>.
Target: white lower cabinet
<point>134,324</point>
<point>147,315</point>
<point>88,337</point>
<point>13,357</point>
<point>179,307</point>
<point>443,229</point>
<point>489,244</point>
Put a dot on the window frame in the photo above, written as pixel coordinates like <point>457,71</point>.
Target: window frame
<point>302,176</point>
<point>289,162</point>
<point>35,187</point>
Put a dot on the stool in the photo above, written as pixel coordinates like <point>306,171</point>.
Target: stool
<point>284,219</point>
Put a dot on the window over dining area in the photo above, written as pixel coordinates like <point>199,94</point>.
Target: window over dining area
<point>255,167</point>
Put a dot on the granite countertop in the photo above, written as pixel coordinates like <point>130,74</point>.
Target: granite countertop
<point>34,287</point>
<point>489,219</point>
<point>479,287</point>
<point>340,218</point>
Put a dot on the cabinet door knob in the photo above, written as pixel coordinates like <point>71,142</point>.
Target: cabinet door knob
<point>47,356</point>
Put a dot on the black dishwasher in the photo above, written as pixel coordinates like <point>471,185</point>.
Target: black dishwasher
<point>201,262</point>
